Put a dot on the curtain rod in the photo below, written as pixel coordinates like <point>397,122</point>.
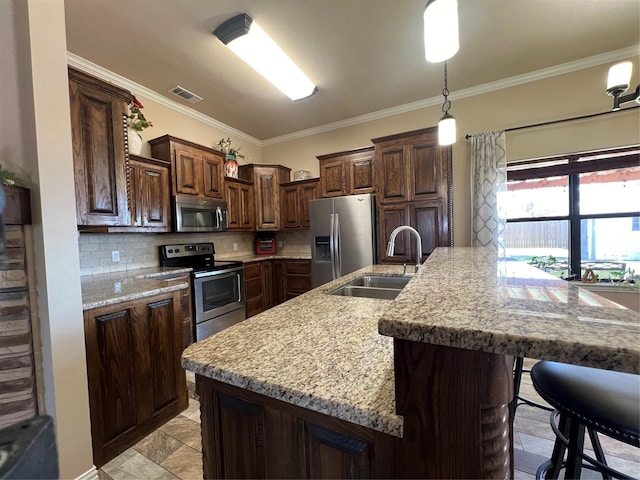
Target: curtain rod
<point>513,129</point>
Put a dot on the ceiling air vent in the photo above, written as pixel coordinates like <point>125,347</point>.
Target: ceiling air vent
<point>185,94</point>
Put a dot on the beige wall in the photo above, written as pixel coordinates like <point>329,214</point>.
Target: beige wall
<point>573,94</point>
<point>36,102</point>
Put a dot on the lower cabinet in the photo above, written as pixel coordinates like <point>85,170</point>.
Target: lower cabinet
<point>248,435</point>
<point>136,382</point>
<point>268,283</point>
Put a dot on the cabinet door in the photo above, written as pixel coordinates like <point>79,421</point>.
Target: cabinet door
<point>428,177</point>
<point>153,191</point>
<point>428,219</point>
<point>188,171</point>
<point>267,188</point>
<point>297,277</point>
<point>390,217</point>
<point>232,194</point>
<point>392,171</point>
<point>278,282</point>
<point>253,293</point>
<point>100,164</point>
<point>333,178</point>
<point>290,198</point>
<point>247,208</point>
<point>213,175</point>
<point>268,296</point>
<point>308,192</point>
<point>361,175</point>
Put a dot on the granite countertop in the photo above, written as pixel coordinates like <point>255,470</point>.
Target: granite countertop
<point>111,288</point>
<point>317,351</point>
<point>466,298</point>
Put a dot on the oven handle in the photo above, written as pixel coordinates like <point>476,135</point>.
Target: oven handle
<point>217,272</point>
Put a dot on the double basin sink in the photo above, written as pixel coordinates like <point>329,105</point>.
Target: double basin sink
<point>373,286</point>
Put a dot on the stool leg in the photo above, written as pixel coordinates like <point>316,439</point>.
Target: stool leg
<point>576,442</point>
<point>551,468</point>
<point>597,449</point>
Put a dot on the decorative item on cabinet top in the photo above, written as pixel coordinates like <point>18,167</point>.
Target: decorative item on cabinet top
<point>301,175</point>
<point>136,122</point>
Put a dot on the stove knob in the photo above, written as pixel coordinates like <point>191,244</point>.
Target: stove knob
<point>177,250</point>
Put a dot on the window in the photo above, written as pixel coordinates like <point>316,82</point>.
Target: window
<point>576,212</point>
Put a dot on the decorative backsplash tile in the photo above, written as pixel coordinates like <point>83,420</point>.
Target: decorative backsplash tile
<point>140,250</point>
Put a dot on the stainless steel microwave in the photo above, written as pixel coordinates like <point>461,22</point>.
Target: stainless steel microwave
<point>192,214</point>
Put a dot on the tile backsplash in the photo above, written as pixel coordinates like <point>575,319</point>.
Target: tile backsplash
<point>140,250</point>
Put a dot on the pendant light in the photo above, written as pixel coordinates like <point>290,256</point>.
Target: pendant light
<point>440,30</point>
<point>447,124</point>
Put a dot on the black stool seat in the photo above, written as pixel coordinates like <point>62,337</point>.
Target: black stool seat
<point>606,401</point>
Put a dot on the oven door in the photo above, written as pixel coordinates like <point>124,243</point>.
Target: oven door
<point>218,300</point>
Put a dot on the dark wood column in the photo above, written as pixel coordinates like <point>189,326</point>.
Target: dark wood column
<point>456,409</point>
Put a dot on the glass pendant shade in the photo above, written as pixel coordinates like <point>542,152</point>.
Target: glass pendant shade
<point>246,39</point>
<point>447,130</point>
<point>440,30</point>
<point>619,78</point>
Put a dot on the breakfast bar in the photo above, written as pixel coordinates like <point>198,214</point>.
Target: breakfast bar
<point>418,386</point>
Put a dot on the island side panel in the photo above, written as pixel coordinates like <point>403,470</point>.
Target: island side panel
<point>456,408</point>
<point>248,435</point>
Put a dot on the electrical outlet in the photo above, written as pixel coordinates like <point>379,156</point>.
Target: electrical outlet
<point>115,255</point>
<point>117,287</point>
<point>235,246</point>
<point>279,243</point>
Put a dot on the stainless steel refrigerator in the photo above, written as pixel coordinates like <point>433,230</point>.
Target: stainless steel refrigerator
<point>342,236</point>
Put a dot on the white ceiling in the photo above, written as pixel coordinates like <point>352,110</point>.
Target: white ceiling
<point>364,55</point>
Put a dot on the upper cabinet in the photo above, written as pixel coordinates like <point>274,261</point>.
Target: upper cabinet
<point>149,192</point>
<point>295,198</point>
<point>240,204</point>
<point>197,170</point>
<point>413,187</point>
<point>266,182</point>
<point>346,173</point>
<point>412,166</point>
<point>98,128</point>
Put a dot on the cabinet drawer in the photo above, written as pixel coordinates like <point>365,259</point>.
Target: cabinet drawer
<point>252,270</point>
<point>298,284</point>
<point>298,267</point>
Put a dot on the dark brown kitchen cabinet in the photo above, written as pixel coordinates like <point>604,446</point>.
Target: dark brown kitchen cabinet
<point>196,170</point>
<point>297,275</point>
<point>412,166</point>
<point>426,217</point>
<point>295,197</point>
<point>98,129</point>
<point>266,181</point>
<point>240,198</point>
<point>346,173</point>
<point>278,281</point>
<point>254,436</point>
<point>254,288</point>
<point>135,379</point>
<point>413,187</point>
<point>150,195</point>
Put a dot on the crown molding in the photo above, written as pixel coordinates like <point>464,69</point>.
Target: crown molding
<point>109,76</point>
<point>534,76</point>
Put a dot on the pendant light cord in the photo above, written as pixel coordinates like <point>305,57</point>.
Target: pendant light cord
<point>445,92</point>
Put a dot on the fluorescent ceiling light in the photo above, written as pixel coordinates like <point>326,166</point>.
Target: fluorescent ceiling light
<point>440,30</point>
<point>246,39</point>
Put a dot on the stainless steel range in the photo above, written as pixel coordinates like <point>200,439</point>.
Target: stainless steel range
<point>218,286</point>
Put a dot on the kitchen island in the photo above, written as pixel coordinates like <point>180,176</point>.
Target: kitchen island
<point>420,386</point>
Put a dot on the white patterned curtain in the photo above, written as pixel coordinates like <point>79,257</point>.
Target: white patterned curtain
<point>488,178</point>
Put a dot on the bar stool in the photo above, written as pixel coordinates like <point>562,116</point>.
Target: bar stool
<point>601,401</point>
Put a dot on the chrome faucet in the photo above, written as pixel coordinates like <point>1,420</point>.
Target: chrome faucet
<point>392,243</point>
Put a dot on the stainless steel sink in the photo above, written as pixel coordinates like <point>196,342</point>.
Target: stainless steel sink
<point>373,286</point>
<point>380,281</point>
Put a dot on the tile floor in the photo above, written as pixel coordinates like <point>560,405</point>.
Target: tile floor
<point>174,450</point>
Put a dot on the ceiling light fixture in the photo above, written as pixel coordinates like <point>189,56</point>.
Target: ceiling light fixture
<point>618,83</point>
<point>440,30</point>
<point>246,39</point>
<point>447,124</point>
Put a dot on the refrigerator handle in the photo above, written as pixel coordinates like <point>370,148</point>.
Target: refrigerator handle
<point>332,249</point>
<point>338,249</point>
